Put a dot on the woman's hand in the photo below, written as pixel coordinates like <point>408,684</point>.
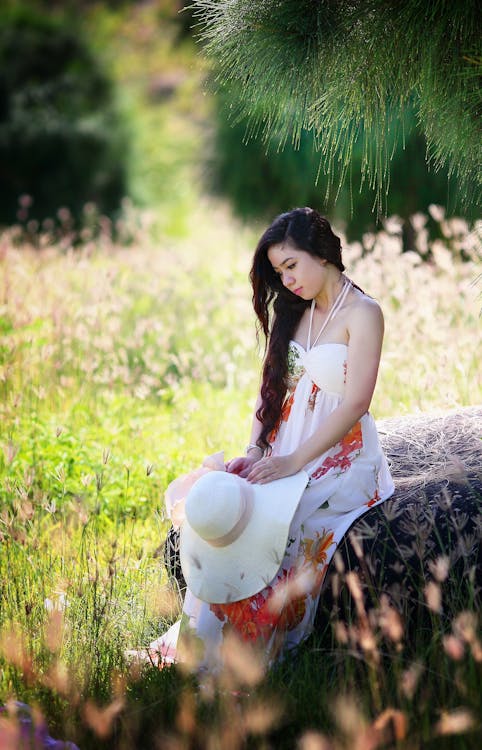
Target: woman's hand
<point>273,467</point>
<point>243,464</point>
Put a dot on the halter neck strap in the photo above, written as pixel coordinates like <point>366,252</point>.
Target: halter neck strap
<point>333,311</point>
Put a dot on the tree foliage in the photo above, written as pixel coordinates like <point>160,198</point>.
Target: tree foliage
<point>348,72</point>
<point>258,177</point>
<point>60,139</point>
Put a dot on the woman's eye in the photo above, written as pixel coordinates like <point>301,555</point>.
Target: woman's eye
<point>293,265</point>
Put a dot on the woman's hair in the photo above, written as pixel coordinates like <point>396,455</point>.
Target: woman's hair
<point>305,229</point>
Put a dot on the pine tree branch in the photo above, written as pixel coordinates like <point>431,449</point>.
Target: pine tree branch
<point>347,70</point>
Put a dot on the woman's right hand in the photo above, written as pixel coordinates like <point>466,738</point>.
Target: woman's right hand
<point>242,465</point>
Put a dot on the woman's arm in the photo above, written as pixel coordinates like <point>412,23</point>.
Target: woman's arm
<point>365,342</point>
<point>242,464</point>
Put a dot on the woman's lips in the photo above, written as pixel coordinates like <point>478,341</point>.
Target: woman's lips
<point>298,290</point>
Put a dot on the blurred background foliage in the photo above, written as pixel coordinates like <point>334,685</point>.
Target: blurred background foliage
<point>61,140</point>
<point>101,100</point>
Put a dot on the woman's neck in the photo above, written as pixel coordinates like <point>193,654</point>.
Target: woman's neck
<point>330,291</point>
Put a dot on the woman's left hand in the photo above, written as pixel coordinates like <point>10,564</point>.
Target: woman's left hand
<point>273,467</point>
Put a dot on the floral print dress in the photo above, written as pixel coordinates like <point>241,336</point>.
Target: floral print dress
<point>344,482</point>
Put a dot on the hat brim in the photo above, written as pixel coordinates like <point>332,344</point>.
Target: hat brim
<point>243,568</point>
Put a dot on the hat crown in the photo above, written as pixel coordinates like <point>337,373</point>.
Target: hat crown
<point>214,504</point>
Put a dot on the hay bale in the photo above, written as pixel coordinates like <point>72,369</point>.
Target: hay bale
<point>432,521</point>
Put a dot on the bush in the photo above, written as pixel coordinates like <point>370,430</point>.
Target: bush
<point>60,140</point>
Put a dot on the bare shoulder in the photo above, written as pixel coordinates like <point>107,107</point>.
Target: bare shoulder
<point>364,312</point>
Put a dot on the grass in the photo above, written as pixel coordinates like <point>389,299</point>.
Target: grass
<point>121,368</point>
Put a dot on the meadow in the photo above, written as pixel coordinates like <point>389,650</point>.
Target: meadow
<point>124,361</point>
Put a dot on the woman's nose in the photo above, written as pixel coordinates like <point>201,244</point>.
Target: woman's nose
<point>288,279</point>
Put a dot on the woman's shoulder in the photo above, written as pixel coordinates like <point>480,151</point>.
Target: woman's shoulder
<point>363,311</point>
<point>361,301</point>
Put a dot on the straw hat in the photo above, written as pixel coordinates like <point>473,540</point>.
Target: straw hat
<point>234,536</point>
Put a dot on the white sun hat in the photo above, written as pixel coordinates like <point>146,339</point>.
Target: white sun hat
<point>234,536</point>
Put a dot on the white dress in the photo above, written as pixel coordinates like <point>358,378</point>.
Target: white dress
<point>344,483</point>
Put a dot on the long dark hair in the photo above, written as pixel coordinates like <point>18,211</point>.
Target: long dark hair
<point>307,230</point>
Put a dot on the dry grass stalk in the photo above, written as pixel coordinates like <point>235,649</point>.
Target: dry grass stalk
<point>243,662</point>
<point>58,678</point>
<point>455,722</point>
<point>390,725</point>
<point>312,740</point>
<point>13,648</point>
<point>440,568</point>
<point>186,715</point>
<point>433,596</point>
<point>454,647</point>
<point>54,631</point>
<point>444,448</point>
<point>101,720</point>
<point>260,718</point>
<point>410,679</point>
<point>389,620</point>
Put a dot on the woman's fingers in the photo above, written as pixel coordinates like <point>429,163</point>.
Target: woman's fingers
<point>263,471</point>
<point>241,466</point>
<point>270,468</point>
<point>236,465</point>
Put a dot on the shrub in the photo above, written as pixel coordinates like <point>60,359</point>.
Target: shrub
<point>60,139</point>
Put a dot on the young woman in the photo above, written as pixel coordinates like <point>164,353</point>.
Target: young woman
<point>324,337</point>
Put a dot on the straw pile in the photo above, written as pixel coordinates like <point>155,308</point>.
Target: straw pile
<point>432,523</point>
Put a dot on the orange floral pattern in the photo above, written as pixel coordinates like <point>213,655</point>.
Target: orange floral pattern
<point>286,408</point>
<point>315,553</point>
<point>250,618</point>
<point>315,549</point>
<point>255,618</point>
<point>346,450</point>
<point>376,497</point>
<point>285,413</point>
<point>312,399</point>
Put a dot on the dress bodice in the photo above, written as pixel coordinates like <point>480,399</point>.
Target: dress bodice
<point>324,364</point>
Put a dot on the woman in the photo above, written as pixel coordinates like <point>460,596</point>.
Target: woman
<point>324,343</point>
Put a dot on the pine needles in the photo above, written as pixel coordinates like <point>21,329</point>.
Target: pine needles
<point>347,72</point>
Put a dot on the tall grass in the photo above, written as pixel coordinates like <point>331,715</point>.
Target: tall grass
<point>121,367</point>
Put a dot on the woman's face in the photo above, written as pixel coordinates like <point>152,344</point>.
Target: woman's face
<point>301,273</point>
